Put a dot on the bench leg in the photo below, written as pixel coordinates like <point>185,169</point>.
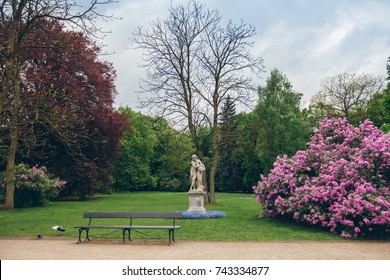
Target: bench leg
<point>171,233</point>
<point>80,231</point>
<point>86,235</point>
<point>124,233</point>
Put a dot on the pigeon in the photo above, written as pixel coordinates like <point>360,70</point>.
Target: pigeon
<point>59,228</point>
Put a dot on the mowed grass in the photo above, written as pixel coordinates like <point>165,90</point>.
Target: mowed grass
<point>241,222</point>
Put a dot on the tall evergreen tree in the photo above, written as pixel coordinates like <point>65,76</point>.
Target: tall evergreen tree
<point>229,170</point>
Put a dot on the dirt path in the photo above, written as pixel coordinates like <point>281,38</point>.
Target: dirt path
<point>67,249</point>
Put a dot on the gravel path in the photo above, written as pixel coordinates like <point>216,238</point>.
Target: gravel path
<point>67,249</point>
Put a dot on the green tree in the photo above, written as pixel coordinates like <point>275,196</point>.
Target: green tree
<point>153,156</point>
<point>282,125</point>
<point>388,73</point>
<point>379,105</point>
<point>132,170</point>
<point>246,152</point>
<point>229,175</point>
<point>172,157</point>
<point>379,110</point>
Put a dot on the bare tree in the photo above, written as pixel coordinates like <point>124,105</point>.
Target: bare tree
<point>350,92</point>
<point>17,19</point>
<point>193,64</point>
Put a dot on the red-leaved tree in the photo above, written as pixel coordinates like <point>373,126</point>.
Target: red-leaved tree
<point>67,120</point>
<point>18,20</point>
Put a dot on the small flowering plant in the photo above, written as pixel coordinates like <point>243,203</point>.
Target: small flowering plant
<point>341,182</point>
<point>33,186</point>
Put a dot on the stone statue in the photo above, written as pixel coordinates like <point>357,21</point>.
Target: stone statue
<point>196,174</point>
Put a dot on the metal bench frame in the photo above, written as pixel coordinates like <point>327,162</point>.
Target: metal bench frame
<point>130,226</point>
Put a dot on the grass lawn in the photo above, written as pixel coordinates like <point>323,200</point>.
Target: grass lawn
<point>241,222</point>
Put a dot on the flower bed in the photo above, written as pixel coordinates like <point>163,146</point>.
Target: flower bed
<point>207,215</point>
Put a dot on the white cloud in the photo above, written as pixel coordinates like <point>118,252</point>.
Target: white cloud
<point>334,37</point>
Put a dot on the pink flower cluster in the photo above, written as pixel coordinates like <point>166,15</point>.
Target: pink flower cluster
<point>33,186</point>
<point>341,182</point>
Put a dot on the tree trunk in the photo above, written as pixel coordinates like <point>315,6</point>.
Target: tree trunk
<point>10,81</point>
<point>213,171</point>
<point>199,153</point>
<point>214,164</point>
<point>15,108</point>
<point>9,197</point>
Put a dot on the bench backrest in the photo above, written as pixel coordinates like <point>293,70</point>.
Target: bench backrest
<point>171,215</point>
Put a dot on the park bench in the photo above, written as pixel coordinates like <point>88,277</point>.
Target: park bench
<point>131,216</point>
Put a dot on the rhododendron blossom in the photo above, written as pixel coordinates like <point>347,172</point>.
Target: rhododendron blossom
<point>34,186</point>
<point>341,182</point>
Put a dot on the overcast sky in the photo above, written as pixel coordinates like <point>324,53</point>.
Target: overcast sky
<point>306,40</point>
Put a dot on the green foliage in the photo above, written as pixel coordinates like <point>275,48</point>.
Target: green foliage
<point>34,186</point>
<point>205,138</point>
<point>388,72</point>
<point>379,105</point>
<point>379,110</point>
<point>229,173</point>
<point>241,213</point>
<point>171,158</point>
<point>153,156</point>
<point>282,126</point>
<point>131,171</point>
<point>246,152</point>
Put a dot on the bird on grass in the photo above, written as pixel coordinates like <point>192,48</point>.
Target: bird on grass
<point>59,228</point>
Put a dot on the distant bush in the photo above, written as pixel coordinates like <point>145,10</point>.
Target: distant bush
<point>33,186</point>
<point>341,182</point>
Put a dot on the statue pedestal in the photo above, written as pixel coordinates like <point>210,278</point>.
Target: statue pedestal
<point>196,201</point>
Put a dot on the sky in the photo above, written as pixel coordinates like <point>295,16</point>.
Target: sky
<point>306,40</point>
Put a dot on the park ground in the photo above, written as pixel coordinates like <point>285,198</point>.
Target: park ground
<point>52,248</point>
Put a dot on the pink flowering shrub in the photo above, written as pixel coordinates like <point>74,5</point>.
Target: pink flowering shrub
<point>33,186</point>
<point>341,182</point>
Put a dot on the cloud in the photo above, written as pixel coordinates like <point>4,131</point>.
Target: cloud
<point>117,43</point>
<point>334,36</point>
<point>349,37</point>
<point>306,40</point>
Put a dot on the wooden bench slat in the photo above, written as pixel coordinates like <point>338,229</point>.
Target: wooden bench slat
<point>107,214</point>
